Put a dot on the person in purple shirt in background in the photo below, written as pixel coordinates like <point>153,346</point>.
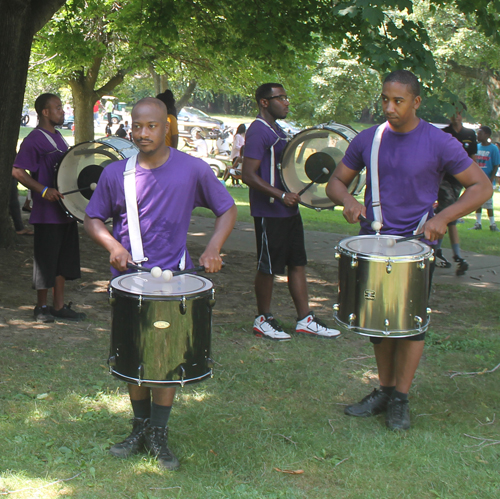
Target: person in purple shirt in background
<point>169,185</point>
<point>413,159</point>
<point>278,225</point>
<point>56,248</point>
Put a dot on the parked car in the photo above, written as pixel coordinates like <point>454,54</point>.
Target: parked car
<point>115,118</point>
<point>69,121</point>
<point>191,120</point>
<point>289,127</point>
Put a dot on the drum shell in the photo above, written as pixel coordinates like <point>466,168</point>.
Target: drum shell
<point>161,342</point>
<point>383,297</point>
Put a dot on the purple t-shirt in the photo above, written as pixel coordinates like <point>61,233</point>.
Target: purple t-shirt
<point>166,196</point>
<point>258,142</point>
<point>411,166</point>
<point>39,157</point>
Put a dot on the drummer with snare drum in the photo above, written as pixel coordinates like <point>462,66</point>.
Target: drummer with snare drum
<point>56,245</point>
<point>411,161</point>
<point>169,185</point>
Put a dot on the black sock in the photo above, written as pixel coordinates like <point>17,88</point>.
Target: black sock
<point>141,408</point>
<point>388,390</point>
<point>399,395</point>
<point>159,414</point>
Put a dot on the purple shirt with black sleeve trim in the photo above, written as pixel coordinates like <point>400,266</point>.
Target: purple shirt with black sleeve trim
<point>258,142</point>
<point>40,158</point>
<point>411,167</point>
<point>166,196</point>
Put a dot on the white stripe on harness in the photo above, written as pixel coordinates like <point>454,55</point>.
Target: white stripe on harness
<point>134,229</point>
<point>52,141</point>
<point>273,158</point>
<point>377,208</point>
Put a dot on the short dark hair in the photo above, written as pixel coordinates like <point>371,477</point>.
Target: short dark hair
<point>41,102</point>
<point>404,77</point>
<point>168,99</point>
<point>241,129</point>
<point>486,130</point>
<point>264,91</point>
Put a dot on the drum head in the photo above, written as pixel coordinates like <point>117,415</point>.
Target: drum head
<point>305,157</point>
<point>82,165</point>
<point>145,285</point>
<point>381,247</point>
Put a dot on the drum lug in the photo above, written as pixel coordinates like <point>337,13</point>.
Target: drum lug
<point>352,318</point>
<point>183,372</point>
<point>354,262</point>
<point>428,310</point>
<point>317,209</point>
<point>421,265</point>
<point>336,307</point>
<point>139,303</point>
<point>419,321</point>
<point>112,362</point>
<point>432,258</point>
<point>387,323</point>
<point>211,302</point>
<point>140,373</point>
<point>182,305</point>
<point>388,267</point>
<point>337,255</point>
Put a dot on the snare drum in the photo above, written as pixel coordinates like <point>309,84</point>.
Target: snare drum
<point>305,156</point>
<point>82,165</point>
<point>161,331</point>
<point>383,289</point>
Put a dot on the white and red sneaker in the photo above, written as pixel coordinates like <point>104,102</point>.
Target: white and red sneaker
<point>266,326</point>
<point>311,326</point>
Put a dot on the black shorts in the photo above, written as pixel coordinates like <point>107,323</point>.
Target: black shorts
<point>280,244</point>
<point>417,337</point>
<point>56,253</point>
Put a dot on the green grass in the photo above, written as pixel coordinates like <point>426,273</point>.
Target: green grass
<point>269,406</point>
<point>483,242</point>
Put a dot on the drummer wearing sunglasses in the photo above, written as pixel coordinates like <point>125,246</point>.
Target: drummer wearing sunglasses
<point>413,156</point>
<point>169,185</point>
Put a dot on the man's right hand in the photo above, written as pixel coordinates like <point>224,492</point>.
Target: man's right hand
<point>52,195</point>
<point>290,199</point>
<point>353,209</point>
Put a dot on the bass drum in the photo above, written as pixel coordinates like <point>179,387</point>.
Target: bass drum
<point>305,157</point>
<point>82,165</point>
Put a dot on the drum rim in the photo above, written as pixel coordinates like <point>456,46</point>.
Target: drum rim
<point>322,126</point>
<point>171,297</point>
<point>426,250</point>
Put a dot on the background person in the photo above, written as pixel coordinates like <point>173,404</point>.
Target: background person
<point>170,184</point>
<point>172,137</point>
<point>236,155</point>
<point>408,189</point>
<point>56,245</point>
<point>488,159</point>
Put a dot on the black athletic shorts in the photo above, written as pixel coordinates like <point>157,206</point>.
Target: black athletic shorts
<point>417,337</point>
<point>56,252</point>
<point>280,244</point>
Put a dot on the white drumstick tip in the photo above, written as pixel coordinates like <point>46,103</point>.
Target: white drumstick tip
<point>167,275</point>
<point>93,185</point>
<point>391,242</point>
<point>325,171</point>
<point>376,226</point>
<point>156,272</point>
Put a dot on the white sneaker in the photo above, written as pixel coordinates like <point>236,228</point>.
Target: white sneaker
<point>268,327</point>
<point>313,327</point>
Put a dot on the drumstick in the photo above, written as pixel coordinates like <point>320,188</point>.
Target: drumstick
<point>324,171</point>
<point>392,242</point>
<point>92,187</point>
<point>155,271</point>
<point>376,226</point>
<point>168,274</point>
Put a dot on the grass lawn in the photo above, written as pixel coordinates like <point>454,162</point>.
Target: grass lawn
<point>484,241</point>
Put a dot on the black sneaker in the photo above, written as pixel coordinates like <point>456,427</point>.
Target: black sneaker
<point>156,439</point>
<point>398,414</point>
<point>42,314</point>
<point>444,263</point>
<point>66,312</point>
<point>134,443</point>
<point>371,405</point>
<point>462,266</point>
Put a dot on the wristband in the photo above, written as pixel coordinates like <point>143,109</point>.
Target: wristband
<point>44,192</point>
<point>283,195</point>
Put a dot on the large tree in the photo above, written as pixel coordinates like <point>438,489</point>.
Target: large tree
<point>19,22</point>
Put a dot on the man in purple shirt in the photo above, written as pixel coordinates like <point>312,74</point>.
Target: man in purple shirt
<point>56,249</point>
<point>169,184</point>
<point>412,160</point>
<point>278,225</point>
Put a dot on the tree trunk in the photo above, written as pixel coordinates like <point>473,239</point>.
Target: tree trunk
<point>160,81</point>
<point>486,75</point>
<point>186,96</point>
<point>85,96</point>
<point>19,22</point>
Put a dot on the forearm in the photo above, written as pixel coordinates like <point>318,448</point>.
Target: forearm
<point>27,180</point>
<point>223,227</point>
<point>99,233</point>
